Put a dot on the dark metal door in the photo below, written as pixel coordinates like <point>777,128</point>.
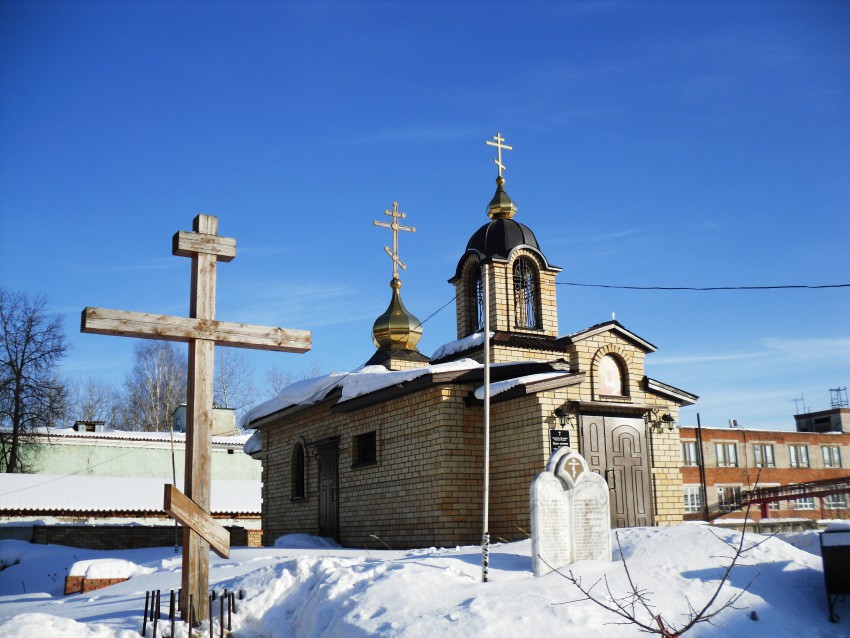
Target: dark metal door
<point>616,448</point>
<point>329,491</point>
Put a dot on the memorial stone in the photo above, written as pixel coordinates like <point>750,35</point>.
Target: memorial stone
<point>570,517</point>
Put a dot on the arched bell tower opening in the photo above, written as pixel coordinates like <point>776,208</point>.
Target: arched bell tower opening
<point>526,284</point>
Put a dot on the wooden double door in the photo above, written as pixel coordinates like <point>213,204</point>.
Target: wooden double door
<point>616,448</point>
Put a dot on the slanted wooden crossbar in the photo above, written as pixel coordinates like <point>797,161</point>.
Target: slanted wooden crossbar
<point>202,332</point>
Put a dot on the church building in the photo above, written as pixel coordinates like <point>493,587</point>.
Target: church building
<point>393,453</point>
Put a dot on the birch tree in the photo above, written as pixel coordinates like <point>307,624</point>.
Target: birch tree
<point>155,386</point>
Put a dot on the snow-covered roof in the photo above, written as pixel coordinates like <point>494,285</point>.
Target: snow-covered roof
<point>128,435</point>
<point>46,493</point>
<point>352,384</point>
<point>507,384</point>
<point>472,341</point>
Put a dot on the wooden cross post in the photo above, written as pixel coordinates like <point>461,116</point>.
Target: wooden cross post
<point>202,332</point>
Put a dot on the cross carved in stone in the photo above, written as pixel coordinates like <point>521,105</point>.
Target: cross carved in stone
<point>395,227</point>
<point>573,463</point>
<point>499,146</point>
<point>202,332</point>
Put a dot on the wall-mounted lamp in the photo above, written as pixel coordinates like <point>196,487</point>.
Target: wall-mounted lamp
<point>565,415</point>
<point>657,421</point>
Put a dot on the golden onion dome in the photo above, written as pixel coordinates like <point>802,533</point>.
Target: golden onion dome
<point>396,329</point>
<point>501,206</point>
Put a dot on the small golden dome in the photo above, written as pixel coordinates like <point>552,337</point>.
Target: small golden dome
<point>396,329</point>
<point>501,206</point>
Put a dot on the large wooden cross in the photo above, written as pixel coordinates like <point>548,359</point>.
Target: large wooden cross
<point>202,332</point>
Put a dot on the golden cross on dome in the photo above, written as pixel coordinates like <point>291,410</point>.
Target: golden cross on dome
<point>395,227</point>
<point>499,146</point>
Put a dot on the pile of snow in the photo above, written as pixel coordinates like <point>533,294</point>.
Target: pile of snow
<point>321,591</point>
<point>107,568</point>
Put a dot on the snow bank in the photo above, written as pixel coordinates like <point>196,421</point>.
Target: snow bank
<point>308,589</point>
<point>107,568</point>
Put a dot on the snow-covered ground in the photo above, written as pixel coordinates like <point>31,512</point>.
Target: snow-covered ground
<point>307,588</point>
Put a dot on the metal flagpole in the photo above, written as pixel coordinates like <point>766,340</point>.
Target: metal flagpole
<point>485,538</point>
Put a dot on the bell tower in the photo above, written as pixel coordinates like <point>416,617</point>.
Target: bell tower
<point>522,282</point>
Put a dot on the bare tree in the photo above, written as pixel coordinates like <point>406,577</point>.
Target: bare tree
<point>277,378</point>
<point>94,400</point>
<point>31,393</point>
<point>155,386</point>
<point>233,386</point>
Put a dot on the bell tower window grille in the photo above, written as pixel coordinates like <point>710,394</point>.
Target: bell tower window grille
<point>476,300</point>
<point>525,295</point>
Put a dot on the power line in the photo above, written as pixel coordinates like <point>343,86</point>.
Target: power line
<point>706,288</point>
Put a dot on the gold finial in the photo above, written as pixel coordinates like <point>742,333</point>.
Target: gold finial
<point>395,227</point>
<point>499,146</point>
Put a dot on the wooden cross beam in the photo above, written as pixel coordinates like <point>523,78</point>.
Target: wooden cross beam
<point>202,332</point>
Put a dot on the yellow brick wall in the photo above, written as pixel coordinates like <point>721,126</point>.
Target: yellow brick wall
<point>426,488</point>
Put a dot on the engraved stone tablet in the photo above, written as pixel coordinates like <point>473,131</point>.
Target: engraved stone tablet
<point>550,522</point>
<point>591,518</point>
<point>570,517</point>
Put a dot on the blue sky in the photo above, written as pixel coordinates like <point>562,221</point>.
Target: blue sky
<point>655,144</point>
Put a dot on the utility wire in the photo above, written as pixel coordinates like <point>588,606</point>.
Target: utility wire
<point>336,381</point>
<point>704,289</point>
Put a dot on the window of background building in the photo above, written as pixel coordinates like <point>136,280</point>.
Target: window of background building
<point>763,455</point>
<point>728,498</point>
<point>835,502</point>
<point>693,499</point>
<point>831,456</point>
<point>807,503</point>
<point>799,455</point>
<point>773,505</point>
<point>690,455</point>
<point>727,454</point>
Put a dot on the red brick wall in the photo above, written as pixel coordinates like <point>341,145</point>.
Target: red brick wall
<point>109,537</point>
<point>81,584</point>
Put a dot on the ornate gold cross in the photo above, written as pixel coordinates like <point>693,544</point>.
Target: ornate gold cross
<point>395,227</point>
<point>499,146</point>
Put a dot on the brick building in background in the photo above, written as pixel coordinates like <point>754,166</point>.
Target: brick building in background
<point>738,459</point>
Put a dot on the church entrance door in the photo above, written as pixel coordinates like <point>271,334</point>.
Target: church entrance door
<point>329,490</point>
<point>616,448</point>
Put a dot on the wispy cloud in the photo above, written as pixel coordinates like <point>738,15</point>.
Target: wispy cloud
<point>144,265</point>
<point>774,350</point>
<point>811,349</point>
<point>690,359</point>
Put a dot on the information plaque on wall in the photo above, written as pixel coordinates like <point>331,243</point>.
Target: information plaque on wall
<point>558,439</point>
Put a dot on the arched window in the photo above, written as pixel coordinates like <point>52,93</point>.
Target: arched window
<point>610,377</point>
<point>476,299</point>
<point>298,490</point>
<point>525,294</point>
